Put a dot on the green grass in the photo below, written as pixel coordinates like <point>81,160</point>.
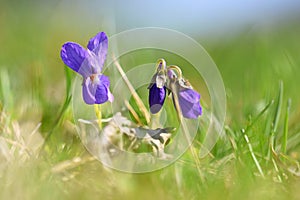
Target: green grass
<point>41,156</point>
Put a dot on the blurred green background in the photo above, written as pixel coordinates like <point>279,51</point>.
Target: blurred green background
<point>255,46</point>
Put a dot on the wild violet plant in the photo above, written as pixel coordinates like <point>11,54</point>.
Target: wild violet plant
<point>186,100</point>
<point>95,90</point>
<point>89,63</point>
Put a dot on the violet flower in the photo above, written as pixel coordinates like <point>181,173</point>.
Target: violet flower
<point>88,63</point>
<point>188,98</point>
<point>189,101</point>
<point>157,88</point>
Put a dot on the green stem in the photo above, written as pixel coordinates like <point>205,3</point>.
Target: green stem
<point>98,115</point>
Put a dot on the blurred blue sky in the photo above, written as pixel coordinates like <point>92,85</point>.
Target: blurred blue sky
<point>197,18</point>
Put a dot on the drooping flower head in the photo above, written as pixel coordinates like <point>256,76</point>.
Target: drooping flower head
<point>186,100</point>
<point>157,88</point>
<point>89,63</point>
<point>183,93</point>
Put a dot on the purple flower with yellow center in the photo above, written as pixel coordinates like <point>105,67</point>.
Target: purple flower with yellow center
<point>88,63</point>
<point>184,96</point>
<point>157,88</point>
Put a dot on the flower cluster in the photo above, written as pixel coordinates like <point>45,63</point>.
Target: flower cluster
<point>95,87</point>
<point>186,99</point>
<point>88,63</point>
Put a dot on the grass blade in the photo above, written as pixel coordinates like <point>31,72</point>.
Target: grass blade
<point>285,133</point>
<point>259,115</point>
<point>7,95</point>
<point>276,119</point>
<point>278,109</point>
<point>66,104</point>
<point>253,156</point>
<point>136,97</point>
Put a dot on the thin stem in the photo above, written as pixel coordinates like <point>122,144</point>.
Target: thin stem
<point>134,114</point>
<point>155,123</point>
<point>136,97</point>
<point>179,72</point>
<point>277,170</point>
<point>253,156</point>
<point>185,130</point>
<point>98,115</point>
<point>159,62</point>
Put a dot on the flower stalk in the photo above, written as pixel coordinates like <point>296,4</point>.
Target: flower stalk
<point>98,112</point>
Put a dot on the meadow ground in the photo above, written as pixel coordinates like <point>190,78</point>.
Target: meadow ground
<point>41,155</point>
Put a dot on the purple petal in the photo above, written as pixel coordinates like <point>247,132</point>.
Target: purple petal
<point>73,55</point>
<point>101,94</point>
<point>95,90</point>
<point>98,45</point>
<point>105,81</point>
<point>88,91</point>
<point>156,98</point>
<point>90,65</point>
<point>189,103</point>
